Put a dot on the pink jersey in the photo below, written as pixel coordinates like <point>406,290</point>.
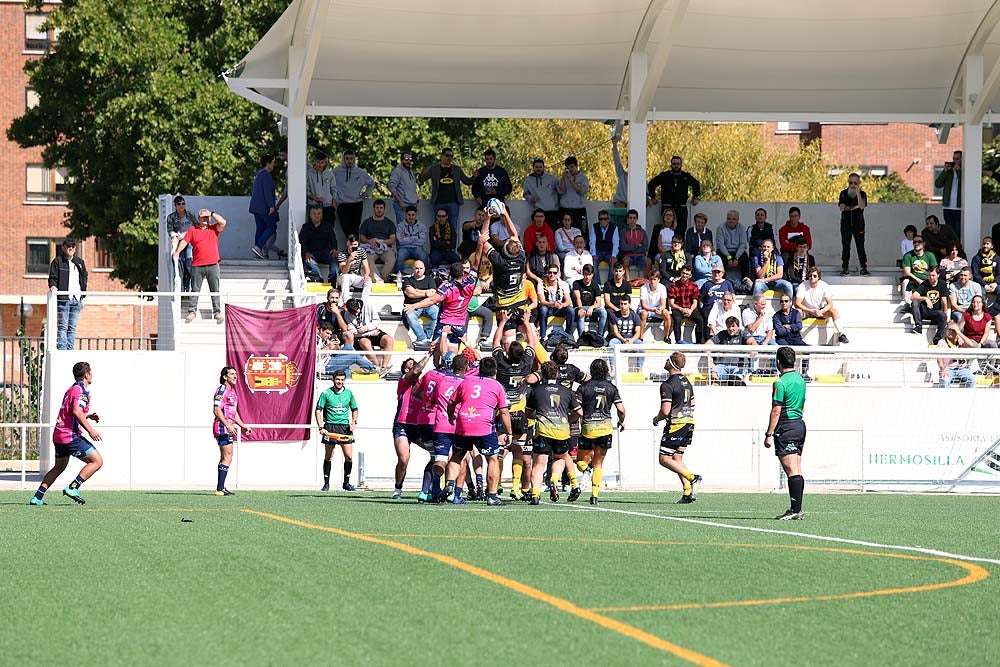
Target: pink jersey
<point>442,394</point>
<point>456,297</point>
<point>476,403</point>
<point>406,407</point>
<point>426,385</point>
<point>225,398</point>
<point>67,425</point>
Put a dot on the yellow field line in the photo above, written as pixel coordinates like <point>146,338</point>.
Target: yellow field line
<point>529,591</point>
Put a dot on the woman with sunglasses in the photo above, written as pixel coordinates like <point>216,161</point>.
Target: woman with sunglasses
<point>813,300</point>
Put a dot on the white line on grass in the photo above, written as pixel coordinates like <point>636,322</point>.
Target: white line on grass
<point>772,531</point>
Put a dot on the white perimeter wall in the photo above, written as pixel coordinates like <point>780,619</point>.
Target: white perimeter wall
<point>156,416</point>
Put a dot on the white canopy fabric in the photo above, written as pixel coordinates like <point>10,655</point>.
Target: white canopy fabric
<point>722,59</point>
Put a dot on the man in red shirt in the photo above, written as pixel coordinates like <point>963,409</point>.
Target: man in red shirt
<point>791,232</point>
<point>204,241</point>
<point>683,298</point>
<point>538,229</point>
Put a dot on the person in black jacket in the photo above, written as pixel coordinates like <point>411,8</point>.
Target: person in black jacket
<point>68,273</point>
<point>674,186</point>
<point>318,240</point>
<point>490,181</point>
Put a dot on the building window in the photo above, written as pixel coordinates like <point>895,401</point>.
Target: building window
<point>41,252</point>
<point>44,184</point>
<point>937,193</point>
<point>36,36</point>
<point>30,98</point>
<point>877,171</point>
<point>102,254</point>
<point>792,127</point>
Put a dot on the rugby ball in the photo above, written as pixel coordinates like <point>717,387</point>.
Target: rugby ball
<point>494,208</point>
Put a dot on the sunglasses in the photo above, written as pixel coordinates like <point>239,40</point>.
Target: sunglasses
<point>552,273</point>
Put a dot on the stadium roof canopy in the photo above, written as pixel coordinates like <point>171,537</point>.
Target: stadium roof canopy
<point>891,60</point>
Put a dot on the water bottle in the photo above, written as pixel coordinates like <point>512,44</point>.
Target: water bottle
<point>399,281</point>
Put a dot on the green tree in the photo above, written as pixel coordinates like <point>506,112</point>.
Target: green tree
<point>892,189</point>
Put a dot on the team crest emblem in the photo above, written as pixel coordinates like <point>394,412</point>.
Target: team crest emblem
<point>271,373</point>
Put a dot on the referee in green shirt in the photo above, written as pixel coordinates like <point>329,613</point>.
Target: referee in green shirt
<point>337,417</point>
<point>786,430</point>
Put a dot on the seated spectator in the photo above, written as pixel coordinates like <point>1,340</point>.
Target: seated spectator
<point>626,329</point>
<point>665,232</point>
<point>730,370</point>
<point>633,244</point>
<point>364,323</point>
<point>813,299</point>
<point>758,320</point>
<point>976,323</point>
<point>566,236</point>
<point>530,306</point>
<point>653,300</point>
<point>355,271</point>
<point>416,288</point>
<point>378,237</point>
<point>939,238</point>
<point>327,340</point>
<point>732,246</point>
<point>536,230</point>
<point>540,257</point>
<point>723,309</point>
<point>695,237</point>
<point>554,299</point>
<point>986,267</point>
<point>955,370</point>
<point>671,263</point>
<point>616,292</point>
<point>478,306</point>
<point>769,270</point>
<point>470,233</point>
<point>411,238</point>
<point>443,242</point>
<point>330,313</point>
<point>906,245</point>
<point>712,290</point>
<point>682,295</point>
<point>576,259</point>
<point>498,232</point>
<point>916,266</point>
<point>961,292</point>
<point>793,231</point>
<point>604,241</point>
<point>787,324</point>
<point>589,302</point>
<point>703,263</point>
<point>797,266</point>
<point>318,240</point>
<point>654,239</point>
<point>952,264</point>
<point>930,303</point>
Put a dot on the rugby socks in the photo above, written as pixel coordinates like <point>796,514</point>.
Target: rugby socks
<point>595,481</point>
<point>223,471</point>
<point>40,493</point>
<point>582,465</point>
<point>425,485</point>
<point>796,486</point>
<point>327,466</point>
<point>435,484</point>
<point>516,467</point>
<point>689,476</point>
<point>536,492</point>
<point>348,467</point>
<point>77,483</point>
<point>571,473</point>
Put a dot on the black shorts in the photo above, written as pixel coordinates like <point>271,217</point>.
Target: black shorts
<point>343,435</point>
<point>551,446</point>
<point>518,424</point>
<point>676,441</point>
<point>789,437</point>
<point>602,441</point>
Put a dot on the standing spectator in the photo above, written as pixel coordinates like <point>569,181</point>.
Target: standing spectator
<point>620,200</point>
<point>952,265</point>
<point>758,320</point>
<point>536,230</point>
<point>732,246</point>
<point>813,299</point>
<point>443,241</point>
<point>769,270</point>
<point>761,230</point>
<point>604,240</point>
<point>683,298</point>
<point>318,240</point>
<point>930,302</point>
<point>955,370</point>
<point>950,182</point>
<point>587,298</point>
<point>416,288</point>
<point>321,186</point>
<point>554,299</point>
<point>403,185</point>
<point>566,236</point>
<point>353,186</point>
<point>540,191</point>
<point>852,203</point>
<point>791,232</point>
<point>632,244</point>
<point>411,238</point>
<point>797,266</point>
<point>573,188</point>
<point>575,260</point>
<point>470,233</point>
<point>539,259</point>
<point>446,185</point>
<point>178,223</point>
<point>378,237</point>
<point>986,267</point>
<point>355,271</point>
<point>264,207</point>
<point>68,273</point>
<point>490,181</point>
<point>961,293</point>
<point>653,300</point>
<point>704,261</point>
<point>724,309</point>
<point>713,289</point>
<point>674,186</point>
<point>787,324</point>
<point>695,236</point>
<point>939,239</point>
<point>916,266</point>
<point>204,241</point>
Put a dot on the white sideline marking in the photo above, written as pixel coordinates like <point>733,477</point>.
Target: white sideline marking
<point>822,538</point>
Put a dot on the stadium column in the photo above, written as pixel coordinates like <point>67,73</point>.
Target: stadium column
<point>638,67</point>
<point>972,156</point>
<point>297,160</point>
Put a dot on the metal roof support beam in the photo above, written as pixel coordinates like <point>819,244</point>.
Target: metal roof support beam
<point>972,157</point>
<point>641,100</point>
<point>450,112</point>
<point>238,87</point>
<point>990,88</point>
<point>313,33</point>
<point>954,101</point>
<point>637,139</point>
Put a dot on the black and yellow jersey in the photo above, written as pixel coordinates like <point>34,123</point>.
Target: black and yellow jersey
<point>511,376</point>
<point>677,389</point>
<point>596,399</point>
<point>552,404</point>
<point>508,278</point>
<point>570,374</point>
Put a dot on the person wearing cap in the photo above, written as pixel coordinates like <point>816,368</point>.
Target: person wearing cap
<point>539,190</point>
<point>318,240</point>
<point>713,289</point>
<point>68,275</point>
<point>178,223</point>
<point>204,241</point>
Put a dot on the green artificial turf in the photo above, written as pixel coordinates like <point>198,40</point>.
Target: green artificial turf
<point>123,581</point>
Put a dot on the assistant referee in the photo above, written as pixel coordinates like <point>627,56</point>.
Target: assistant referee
<point>786,430</point>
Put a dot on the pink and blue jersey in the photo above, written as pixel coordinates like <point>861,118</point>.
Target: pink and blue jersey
<point>67,426</point>
<point>225,399</point>
<point>456,296</point>
<point>439,398</point>
<point>406,407</point>
<point>477,400</point>
<point>426,385</point>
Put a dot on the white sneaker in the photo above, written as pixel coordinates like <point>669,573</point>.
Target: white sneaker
<point>189,317</point>
<point>218,318</point>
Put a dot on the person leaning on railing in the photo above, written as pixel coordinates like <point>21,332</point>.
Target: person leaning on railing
<point>204,241</point>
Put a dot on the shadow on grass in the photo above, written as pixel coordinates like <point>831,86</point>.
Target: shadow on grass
<point>200,494</point>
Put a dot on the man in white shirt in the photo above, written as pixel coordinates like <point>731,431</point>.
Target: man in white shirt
<point>653,300</point>
<point>576,259</point>
<point>758,320</point>
<point>813,300</point>
<point>554,299</point>
<point>721,311</point>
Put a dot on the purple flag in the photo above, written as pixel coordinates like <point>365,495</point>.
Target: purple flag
<point>274,352</point>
